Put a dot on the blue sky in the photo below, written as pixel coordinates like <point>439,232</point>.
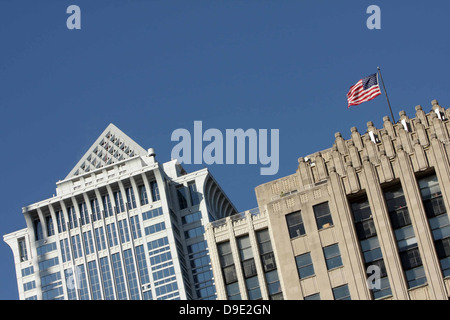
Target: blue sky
<point>151,67</point>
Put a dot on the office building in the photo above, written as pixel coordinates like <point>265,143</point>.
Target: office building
<point>121,226</point>
<point>365,219</point>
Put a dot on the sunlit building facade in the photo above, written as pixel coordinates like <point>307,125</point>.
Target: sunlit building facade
<point>121,227</point>
<point>366,219</point>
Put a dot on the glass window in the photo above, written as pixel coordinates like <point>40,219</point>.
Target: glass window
<point>323,215</point>
<point>192,217</point>
<point>70,284</point>
<point>131,200</point>
<point>38,229</point>
<point>152,213</point>
<point>84,213</point>
<point>182,201</point>
<point>295,224</point>
<point>50,226</point>
<point>154,228</point>
<point>29,285</point>
<point>404,234</point>
<point>123,231</point>
<point>61,221</point>
<point>437,218</point>
<point>100,238</point>
<point>135,227</point>
<point>83,289</point>
<point>142,265</point>
<point>305,266</point>
<point>269,264</point>
<point>106,279</point>
<point>107,205</point>
<point>96,214</point>
<point>370,245</point>
<point>341,293</point>
<point>315,296</point>
<point>73,223</point>
<point>246,256</point>
<point>245,248</point>
<point>253,289</point>
<point>65,251</point>
<point>143,195</point>
<point>27,271</point>
<point>332,256</point>
<point>118,276</point>
<point>112,235</point>
<point>131,275</point>
<point>88,243</point>
<point>265,250</point>
<point>195,198</point>
<point>228,270</point>
<point>229,274</point>
<point>22,249</point>
<point>48,263</point>
<point>195,232</point>
<point>46,248</point>
<point>95,282</point>
<point>155,191</point>
<point>273,285</point>
<point>118,201</point>
<point>233,291</point>
<point>76,246</point>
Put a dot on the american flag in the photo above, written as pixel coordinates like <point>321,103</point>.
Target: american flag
<point>364,90</point>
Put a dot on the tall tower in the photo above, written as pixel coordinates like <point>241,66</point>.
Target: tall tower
<point>121,226</point>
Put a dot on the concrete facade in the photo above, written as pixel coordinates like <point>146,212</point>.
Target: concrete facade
<point>230,230</point>
<point>379,199</point>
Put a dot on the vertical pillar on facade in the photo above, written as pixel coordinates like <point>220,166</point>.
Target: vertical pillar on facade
<point>385,234</point>
<point>420,225</point>
<point>237,260</point>
<point>215,263</point>
<point>351,253</point>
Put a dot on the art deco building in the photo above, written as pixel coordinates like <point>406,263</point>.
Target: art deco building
<point>364,219</point>
<point>121,226</point>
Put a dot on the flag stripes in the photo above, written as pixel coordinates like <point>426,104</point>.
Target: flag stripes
<point>364,90</point>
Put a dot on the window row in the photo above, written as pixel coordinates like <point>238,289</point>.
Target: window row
<point>187,196</point>
<point>110,208</point>
<point>115,275</point>
<point>101,240</point>
<point>248,267</point>
<point>305,266</point>
<point>322,215</point>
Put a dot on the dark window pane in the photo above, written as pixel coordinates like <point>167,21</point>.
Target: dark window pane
<point>249,268</point>
<point>229,273</point>
<point>182,201</point>
<point>304,265</point>
<point>361,210</point>
<point>332,256</point>
<point>400,218</point>
<point>295,224</point>
<point>411,258</point>
<point>443,248</point>
<point>365,229</point>
<point>434,207</point>
<point>341,293</point>
<point>268,261</point>
<point>323,215</point>
<point>315,296</point>
<point>380,265</point>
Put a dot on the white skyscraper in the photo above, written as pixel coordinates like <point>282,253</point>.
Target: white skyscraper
<point>121,226</point>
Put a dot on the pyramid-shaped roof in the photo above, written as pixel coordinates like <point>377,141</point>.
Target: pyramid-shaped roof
<point>111,146</point>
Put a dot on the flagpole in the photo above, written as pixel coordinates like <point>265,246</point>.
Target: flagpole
<point>385,92</point>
